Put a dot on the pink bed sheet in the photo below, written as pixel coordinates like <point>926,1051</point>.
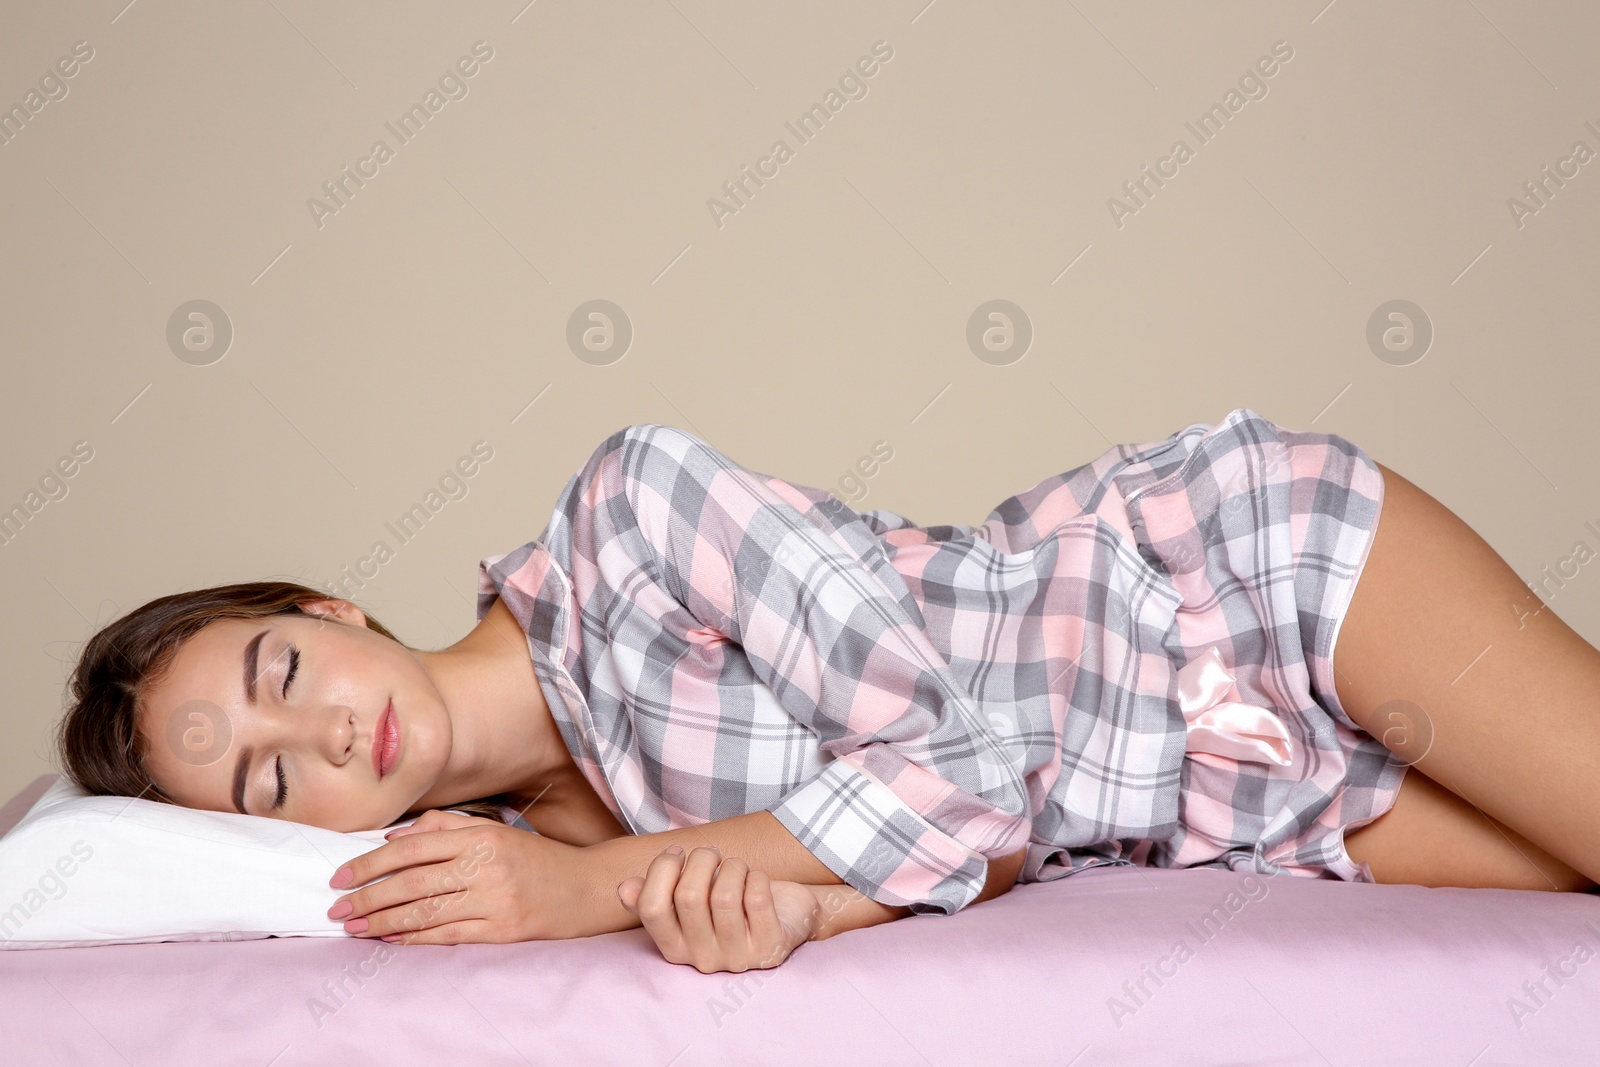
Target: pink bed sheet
<point>1086,971</point>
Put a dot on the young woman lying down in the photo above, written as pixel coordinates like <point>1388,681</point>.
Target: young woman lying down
<point>743,715</point>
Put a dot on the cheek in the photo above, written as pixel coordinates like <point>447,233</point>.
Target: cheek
<point>427,735</point>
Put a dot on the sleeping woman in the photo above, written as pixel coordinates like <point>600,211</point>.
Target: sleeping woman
<point>745,716</point>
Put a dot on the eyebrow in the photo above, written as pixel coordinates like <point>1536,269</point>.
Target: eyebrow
<point>252,665</point>
<point>252,668</point>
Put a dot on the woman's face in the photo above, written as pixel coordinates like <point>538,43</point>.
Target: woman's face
<point>248,698</point>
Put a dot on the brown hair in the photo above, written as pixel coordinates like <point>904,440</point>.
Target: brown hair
<point>98,741</point>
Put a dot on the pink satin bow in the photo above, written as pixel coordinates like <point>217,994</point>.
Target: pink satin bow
<point>1224,727</point>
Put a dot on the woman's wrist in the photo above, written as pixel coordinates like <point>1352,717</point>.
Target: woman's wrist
<point>604,866</point>
<point>607,864</point>
<point>599,871</point>
<point>843,907</point>
<point>758,838</point>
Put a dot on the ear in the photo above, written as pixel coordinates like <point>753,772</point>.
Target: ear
<point>330,607</point>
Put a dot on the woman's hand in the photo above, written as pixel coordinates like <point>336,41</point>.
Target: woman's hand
<point>718,915</point>
<point>454,879</point>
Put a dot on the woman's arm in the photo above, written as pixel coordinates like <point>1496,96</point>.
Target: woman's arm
<point>764,844</point>
<point>757,838</point>
<point>479,880</point>
<point>844,908</point>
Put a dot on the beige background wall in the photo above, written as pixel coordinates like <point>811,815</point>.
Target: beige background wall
<point>373,346</point>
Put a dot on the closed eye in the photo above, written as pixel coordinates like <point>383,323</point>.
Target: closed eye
<point>288,679</point>
<point>294,668</point>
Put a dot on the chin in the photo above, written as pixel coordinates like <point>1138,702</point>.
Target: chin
<point>374,823</point>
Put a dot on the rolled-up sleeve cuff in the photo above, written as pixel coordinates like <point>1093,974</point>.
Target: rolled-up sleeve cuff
<point>864,833</point>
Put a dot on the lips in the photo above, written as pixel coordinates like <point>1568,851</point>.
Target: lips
<point>386,741</point>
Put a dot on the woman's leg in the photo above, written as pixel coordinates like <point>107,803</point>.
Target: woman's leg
<point>1432,837</point>
<point>1447,657</point>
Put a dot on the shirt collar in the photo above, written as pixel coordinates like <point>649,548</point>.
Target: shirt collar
<point>539,594</point>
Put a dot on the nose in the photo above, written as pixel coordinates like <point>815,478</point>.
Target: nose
<point>337,732</point>
<point>327,732</point>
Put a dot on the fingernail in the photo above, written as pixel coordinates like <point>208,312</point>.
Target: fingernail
<point>356,926</point>
<point>391,937</point>
<point>341,909</point>
<point>676,850</point>
<point>342,877</point>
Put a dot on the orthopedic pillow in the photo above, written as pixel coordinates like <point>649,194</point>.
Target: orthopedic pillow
<point>97,870</point>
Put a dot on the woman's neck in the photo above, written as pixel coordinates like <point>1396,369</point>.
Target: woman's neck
<point>503,737</point>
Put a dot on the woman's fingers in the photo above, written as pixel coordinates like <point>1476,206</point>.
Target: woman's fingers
<point>766,932</point>
<point>692,900</point>
<point>628,891</point>
<point>414,915</point>
<point>716,914</point>
<point>655,905</point>
<point>410,884</point>
<point>404,851</point>
<point>727,908</point>
<point>432,819</point>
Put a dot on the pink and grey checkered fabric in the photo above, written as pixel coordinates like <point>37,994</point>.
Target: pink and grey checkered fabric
<point>911,702</point>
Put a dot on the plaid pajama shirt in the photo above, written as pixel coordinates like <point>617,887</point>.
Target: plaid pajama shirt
<point>912,702</point>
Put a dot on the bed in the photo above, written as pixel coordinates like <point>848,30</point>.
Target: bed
<point>1109,966</point>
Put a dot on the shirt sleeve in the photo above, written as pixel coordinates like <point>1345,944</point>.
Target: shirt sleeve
<point>918,795</point>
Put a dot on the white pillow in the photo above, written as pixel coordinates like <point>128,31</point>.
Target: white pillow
<point>97,870</point>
